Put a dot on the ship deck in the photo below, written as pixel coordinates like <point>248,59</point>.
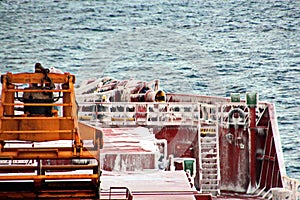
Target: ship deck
<point>154,184</point>
<point>149,185</point>
<point>120,145</point>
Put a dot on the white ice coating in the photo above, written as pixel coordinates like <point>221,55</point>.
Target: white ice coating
<point>109,86</point>
<point>136,137</point>
<point>130,149</point>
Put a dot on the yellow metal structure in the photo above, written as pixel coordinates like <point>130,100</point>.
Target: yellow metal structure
<point>44,151</point>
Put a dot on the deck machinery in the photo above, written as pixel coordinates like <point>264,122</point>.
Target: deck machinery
<point>44,151</point>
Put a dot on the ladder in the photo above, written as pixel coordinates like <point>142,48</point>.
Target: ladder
<point>209,160</point>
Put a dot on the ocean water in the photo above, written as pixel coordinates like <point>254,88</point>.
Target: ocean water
<point>201,47</point>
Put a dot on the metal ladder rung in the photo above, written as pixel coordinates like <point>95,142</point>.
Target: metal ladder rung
<point>210,177</point>
<point>209,170</point>
<point>211,165</point>
<point>208,153</point>
<point>211,142</point>
<point>209,185</point>
<point>208,138</point>
<point>209,145</point>
<point>209,160</point>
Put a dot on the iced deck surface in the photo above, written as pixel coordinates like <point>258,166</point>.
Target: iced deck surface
<point>153,184</point>
<point>143,184</point>
<point>128,140</point>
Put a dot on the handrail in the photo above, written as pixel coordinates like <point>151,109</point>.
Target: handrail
<point>147,113</point>
<point>292,185</point>
<point>162,113</point>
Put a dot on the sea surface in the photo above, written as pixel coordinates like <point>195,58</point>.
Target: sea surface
<point>211,47</point>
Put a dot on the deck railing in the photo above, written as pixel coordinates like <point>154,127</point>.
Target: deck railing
<point>148,113</point>
<point>169,113</point>
<point>293,185</point>
<point>290,190</point>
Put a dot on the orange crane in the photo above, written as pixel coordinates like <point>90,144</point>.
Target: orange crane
<point>45,152</point>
